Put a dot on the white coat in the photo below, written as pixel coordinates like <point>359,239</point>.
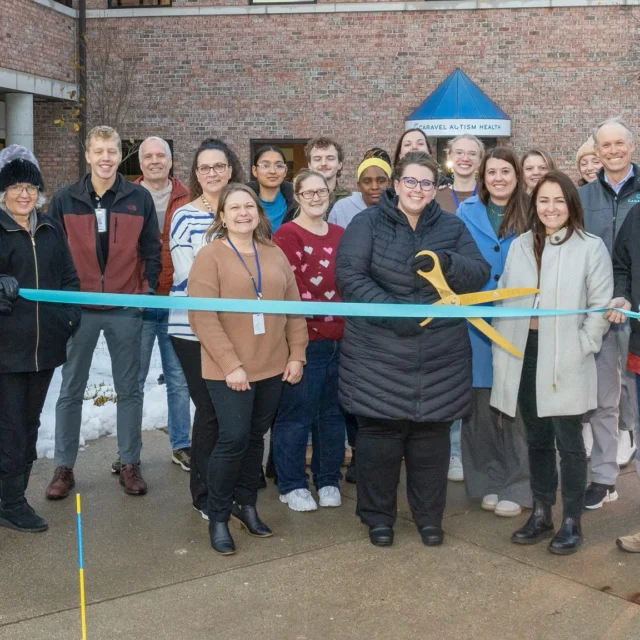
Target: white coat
<point>574,275</point>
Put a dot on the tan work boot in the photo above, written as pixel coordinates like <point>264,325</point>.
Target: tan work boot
<point>630,544</point>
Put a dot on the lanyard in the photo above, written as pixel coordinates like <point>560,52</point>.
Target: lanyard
<point>455,195</point>
<point>257,287</point>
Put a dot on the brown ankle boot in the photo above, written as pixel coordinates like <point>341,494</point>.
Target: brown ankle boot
<point>62,483</point>
<point>131,479</point>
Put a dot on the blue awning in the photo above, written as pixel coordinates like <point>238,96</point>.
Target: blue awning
<point>459,106</point>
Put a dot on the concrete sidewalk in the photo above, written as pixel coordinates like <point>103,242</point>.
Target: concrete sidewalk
<point>151,573</point>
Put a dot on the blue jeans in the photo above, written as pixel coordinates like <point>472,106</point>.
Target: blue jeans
<point>154,326</point>
<point>455,438</point>
<point>311,405</point>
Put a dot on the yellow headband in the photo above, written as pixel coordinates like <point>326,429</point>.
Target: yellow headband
<point>374,162</point>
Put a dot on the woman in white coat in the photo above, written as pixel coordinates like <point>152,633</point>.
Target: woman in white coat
<point>556,382</point>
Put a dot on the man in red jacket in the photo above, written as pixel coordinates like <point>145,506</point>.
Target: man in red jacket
<point>112,229</point>
<point>168,194</point>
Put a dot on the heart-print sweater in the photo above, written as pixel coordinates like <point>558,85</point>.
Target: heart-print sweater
<point>312,259</point>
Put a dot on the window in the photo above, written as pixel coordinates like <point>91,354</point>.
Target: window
<point>66,3</point>
<point>139,3</point>
<point>130,165</point>
<point>293,153</point>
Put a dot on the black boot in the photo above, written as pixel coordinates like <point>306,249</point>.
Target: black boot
<point>15,512</point>
<point>381,535</point>
<point>221,539</point>
<point>568,538</point>
<point>431,535</point>
<point>350,475</point>
<point>537,527</point>
<point>246,517</point>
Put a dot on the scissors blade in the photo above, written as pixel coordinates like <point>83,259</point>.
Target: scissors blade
<point>496,294</point>
<point>492,334</point>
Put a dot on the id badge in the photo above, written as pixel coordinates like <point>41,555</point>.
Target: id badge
<point>101,219</point>
<point>258,324</point>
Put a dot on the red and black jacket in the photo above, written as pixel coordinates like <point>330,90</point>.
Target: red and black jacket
<point>133,265</point>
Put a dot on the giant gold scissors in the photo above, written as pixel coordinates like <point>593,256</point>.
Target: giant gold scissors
<point>437,279</point>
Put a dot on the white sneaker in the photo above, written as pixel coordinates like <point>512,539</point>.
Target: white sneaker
<point>489,502</point>
<point>329,497</point>
<point>456,472</point>
<point>627,448</point>
<point>508,509</point>
<point>587,436</point>
<point>299,500</point>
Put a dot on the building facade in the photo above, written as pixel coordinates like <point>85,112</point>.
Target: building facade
<point>248,71</point>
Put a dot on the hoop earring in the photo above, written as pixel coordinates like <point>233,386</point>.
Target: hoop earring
<point>224,225</point>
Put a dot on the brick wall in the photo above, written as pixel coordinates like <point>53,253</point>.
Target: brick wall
<point>55,147</point>
<point>37,40</point>
<point>357,75</point>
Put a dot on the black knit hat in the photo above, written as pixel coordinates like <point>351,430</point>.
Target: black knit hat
<point>18,164</point>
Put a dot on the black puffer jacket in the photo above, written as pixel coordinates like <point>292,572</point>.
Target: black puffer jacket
<point>425,378</point>
<point>34,335</point>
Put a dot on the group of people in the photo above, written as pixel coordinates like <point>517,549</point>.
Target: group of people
<point>440,395</point>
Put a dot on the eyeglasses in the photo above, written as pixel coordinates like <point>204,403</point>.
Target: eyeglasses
<point>205,169</point>
<point>309,195</point>
<point>17,189</point>
<point>266,166</point>
<point>459,153</point>
<point>412,183</point>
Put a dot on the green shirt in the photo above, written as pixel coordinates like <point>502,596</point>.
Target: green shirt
<point>495,213</point>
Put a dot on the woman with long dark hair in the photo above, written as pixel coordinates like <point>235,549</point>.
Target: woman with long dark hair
<point>246,358</point>
<point>494,453</point>
<point>556,383</point>
<point>412,140</point>
<point>214,165</point>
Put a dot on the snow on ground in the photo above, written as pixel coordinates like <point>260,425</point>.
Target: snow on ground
<point>101,420</point>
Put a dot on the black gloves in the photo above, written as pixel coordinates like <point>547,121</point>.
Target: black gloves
<point>8,293</point>
<point>406,327</point>
<point>425,263</point>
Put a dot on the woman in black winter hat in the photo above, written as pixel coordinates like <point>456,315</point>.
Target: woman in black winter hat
<point>33,254</point>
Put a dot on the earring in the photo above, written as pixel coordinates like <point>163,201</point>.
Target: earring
<point>224,225</point>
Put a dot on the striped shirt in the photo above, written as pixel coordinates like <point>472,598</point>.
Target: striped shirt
<point>186,238</point>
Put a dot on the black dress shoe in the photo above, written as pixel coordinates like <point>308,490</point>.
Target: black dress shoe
<point>221,539</point>
<point>431,535</point>
<point>537,527</point>
<point>568,538</point>
<point>381,535</point>
<point>246,517</point>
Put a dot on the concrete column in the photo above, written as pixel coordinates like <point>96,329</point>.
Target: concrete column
<point>19,119</point>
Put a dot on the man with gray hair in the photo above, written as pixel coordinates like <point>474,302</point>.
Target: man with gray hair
<point>168,194</point>
<point>606,202</point>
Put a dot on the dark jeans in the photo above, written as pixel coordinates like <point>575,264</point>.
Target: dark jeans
<point>543,436</point>
<point>244,417</point>
<point>205,423</point>
<point>381,444</point>
<point>311,405</point>
<point>22,397</point>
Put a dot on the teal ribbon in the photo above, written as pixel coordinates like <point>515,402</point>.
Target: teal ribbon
<point>304,308</point>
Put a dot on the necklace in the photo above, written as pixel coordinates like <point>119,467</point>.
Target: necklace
<point>205,202</point>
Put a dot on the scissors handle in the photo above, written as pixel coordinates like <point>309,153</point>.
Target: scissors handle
<point>435,275</point>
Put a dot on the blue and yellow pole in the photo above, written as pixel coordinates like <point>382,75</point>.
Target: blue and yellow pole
<point>83,615</point>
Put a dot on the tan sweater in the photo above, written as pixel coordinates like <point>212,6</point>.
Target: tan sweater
<point>227,339</point>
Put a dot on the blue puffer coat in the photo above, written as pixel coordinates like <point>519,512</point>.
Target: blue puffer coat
<point>494,250</point>
<point>426,377</point>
